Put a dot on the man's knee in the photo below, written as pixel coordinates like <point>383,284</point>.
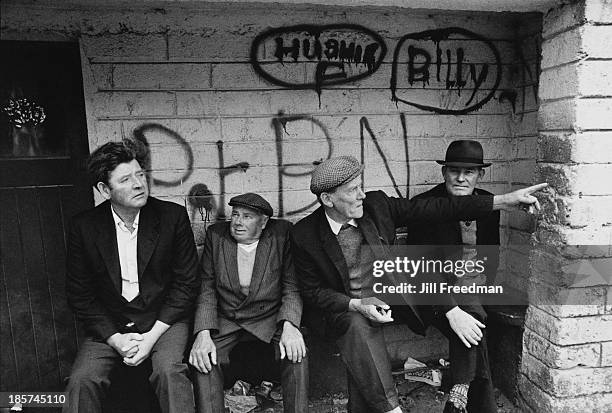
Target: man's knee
<point>167,369</point>
<point>86,377</point>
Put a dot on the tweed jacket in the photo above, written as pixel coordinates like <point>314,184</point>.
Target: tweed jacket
<point>273,292</point>
<point>167,269</point>
<point>320,264</point>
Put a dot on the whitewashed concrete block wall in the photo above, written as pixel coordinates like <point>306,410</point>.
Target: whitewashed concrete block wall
<point>182,77</point>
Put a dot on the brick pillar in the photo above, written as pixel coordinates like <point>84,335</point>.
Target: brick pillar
<point>567,349</point>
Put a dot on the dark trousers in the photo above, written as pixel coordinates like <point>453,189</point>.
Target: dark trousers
<point>90,377</point>
<point>370,383</point>
<point>469,365</point>
<point>209,387</point>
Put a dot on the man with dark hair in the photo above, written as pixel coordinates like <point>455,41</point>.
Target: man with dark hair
<point>132,282</point>
<point>462,169</point>
<point>332,248</point>
<point>249,293</point>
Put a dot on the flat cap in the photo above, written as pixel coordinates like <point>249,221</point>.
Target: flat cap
<point>252,201</point>
<point>334,172</point>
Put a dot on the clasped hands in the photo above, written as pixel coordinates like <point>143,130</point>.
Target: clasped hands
<point>133,347</point>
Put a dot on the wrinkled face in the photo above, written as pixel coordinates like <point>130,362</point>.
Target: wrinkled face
<point>247,224</point>
<point>346,202</point>
<point>127,187</point>
<point>461,181</point>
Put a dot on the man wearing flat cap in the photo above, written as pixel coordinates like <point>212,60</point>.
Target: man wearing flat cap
<point>331,247</point>
<point>462,169</point>
<point>249,292</point>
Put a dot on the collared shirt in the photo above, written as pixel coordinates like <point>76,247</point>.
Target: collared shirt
<point>245,255</point>
<point>335,226</point>
<point>127,243</point>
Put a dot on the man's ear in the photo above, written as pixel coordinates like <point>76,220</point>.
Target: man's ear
<point>481,173</point>
<point>265,221</point>
<point>443,169</point>
<point>325,198</point>
<point>104,190</point>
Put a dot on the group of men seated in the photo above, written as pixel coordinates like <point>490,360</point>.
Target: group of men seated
<point>134,281</point>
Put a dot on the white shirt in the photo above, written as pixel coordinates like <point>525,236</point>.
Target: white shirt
<point>127,243</point>
<point>335,226</point>
<point>246,262</point>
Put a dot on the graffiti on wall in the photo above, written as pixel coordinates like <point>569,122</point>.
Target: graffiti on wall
<point>331,54</point>
<point>316,56</point>
<point>429,61</point>
<point>207,203</point>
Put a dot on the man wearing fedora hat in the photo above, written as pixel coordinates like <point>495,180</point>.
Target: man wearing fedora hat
<point>249,292</point>
<point>332,247</point>
<point>462,169</point>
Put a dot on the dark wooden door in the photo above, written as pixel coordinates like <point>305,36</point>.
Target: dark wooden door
<point>43,147</point>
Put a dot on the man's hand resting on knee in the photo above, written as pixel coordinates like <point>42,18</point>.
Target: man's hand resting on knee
<point>203,354</point>
<point>465,326</point>
<point>291,343</point>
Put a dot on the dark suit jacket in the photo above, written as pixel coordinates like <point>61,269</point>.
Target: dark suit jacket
<point>448,232</point>
<point>320,264</point>
<point>273,293</point>
<point>167,269</point>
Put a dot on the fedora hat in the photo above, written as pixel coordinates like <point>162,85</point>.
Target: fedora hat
<point>464,153</point>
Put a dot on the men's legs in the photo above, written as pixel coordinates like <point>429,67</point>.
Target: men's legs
<point>363,350</point>
<point>294,380</point>
<point>90,377</point>
<point>169,377</point>
<point>209,387</point>
<point>470,366</point>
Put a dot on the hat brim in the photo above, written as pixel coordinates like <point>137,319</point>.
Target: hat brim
<point>465,164</point>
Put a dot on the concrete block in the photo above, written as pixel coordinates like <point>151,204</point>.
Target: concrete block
<point>105,131</point>
<point>598,11</point>
<point>555,147</point>
<point>242,76</point>
<point>210,46</point>
<point>424,172</point>
<point>552,88</point>
<point>523,170</point>
<point>562,18</point>
<point>596,41</point>
<point>588,179</point>
<point>182,131</point>
<point>493,126</point>
<point>133,104</point>
<point>561,357</point>
<point>594,113</point>
<point>125,47</point>
<point>168,76</point>
<point>247,129</point>
<point>523,147</point>
<point>606,354</point>
<point>197,103</point>
<point>296,102</point>
<point>595,78</point>
<point>595,234</point>
<point>555,115</point>
<point>585,210</point>
<point>527,125</point>
<point>569,331</point>
<point>563,48</point>
<point>538,400</point>
<point>577,381</point>
<point>427,149</point>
